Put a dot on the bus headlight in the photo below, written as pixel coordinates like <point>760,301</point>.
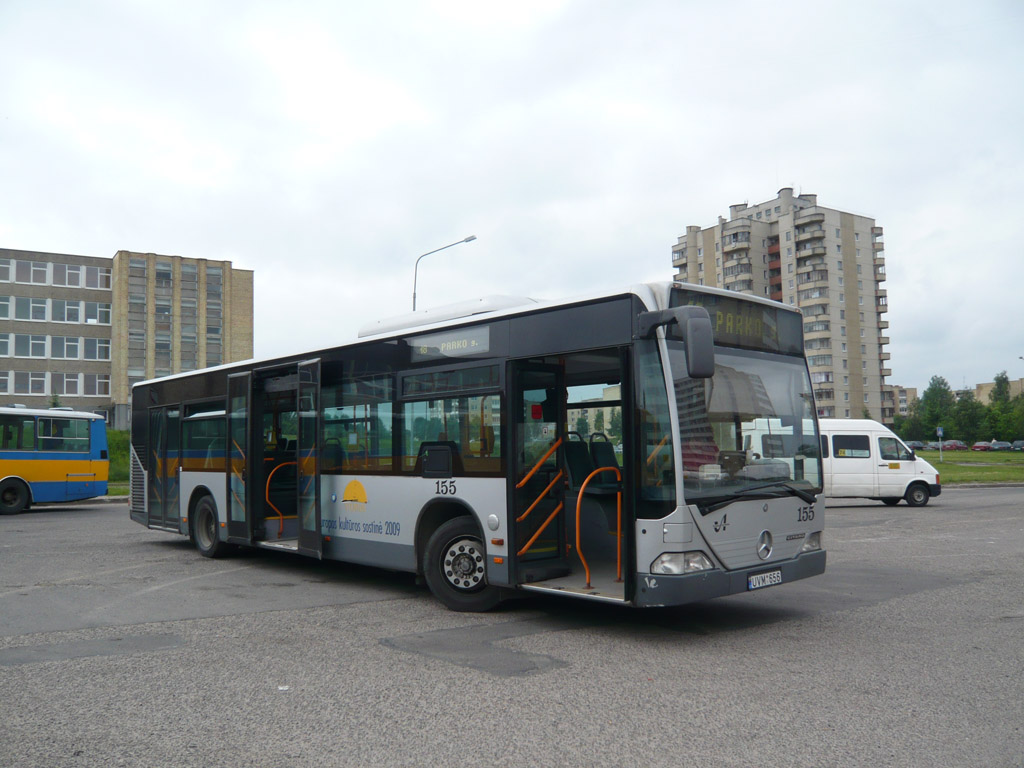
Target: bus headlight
<point>812,543</point>
<point>681,562</point>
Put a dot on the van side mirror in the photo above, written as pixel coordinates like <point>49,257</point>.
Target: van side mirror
<point>695,325</point>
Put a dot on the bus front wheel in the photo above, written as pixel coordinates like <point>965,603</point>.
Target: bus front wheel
<point>13,496</point>
<point>455,568</point>
<point>204,529</point>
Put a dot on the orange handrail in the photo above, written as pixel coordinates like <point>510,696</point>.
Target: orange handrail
<point>540,530</point>
<point>542,495</point>
<point>280,514</point>
<point>618,525</point>
<point>657,449</point>
<point>539,463</point>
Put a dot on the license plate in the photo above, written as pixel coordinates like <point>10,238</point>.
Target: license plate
<point>761,580</point>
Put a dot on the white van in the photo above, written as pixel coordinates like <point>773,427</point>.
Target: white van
<point>864,459</point>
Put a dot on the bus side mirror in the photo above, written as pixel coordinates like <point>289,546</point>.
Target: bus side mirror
<point>695,326</point>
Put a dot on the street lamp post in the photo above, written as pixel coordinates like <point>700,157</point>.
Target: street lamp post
<point>416,269</point>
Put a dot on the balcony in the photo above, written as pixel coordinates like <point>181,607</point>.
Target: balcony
<point>808,218</point>
<point>824,395</point>
<point>885,371</point>
<point>884,356</point>
<point>877,246</point>
<point>738,245</point>
<point>882,324</point>
<point>774,249</point>
<point>814,250</point>
<point>808,265</point>
<point>740,286</point>
<point>775,264</point>
<point>811,234</point>
<point>881,293</point>
<point>882,340</point>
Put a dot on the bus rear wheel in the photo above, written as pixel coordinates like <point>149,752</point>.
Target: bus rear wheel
<point>13,496</point>
<point>455,568</point>
<point>204,529</point>
<point>917,495</point>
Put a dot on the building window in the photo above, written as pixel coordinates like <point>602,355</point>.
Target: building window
<point>64,347</point>
<point>97,312</point>
<point>29,383</point>
<point>64,384</point>
<point>97,349</point>
<point>67,311</point>
<point>5,270</point>
<point>32,272</point>
<point>789,235</point>
<point>5,307</point>
<point>839,248</point>
<point>69,275</point>
<point>29,309</point>
<point>97,277</point>
<point>28,345</point>
<point>97,384</point>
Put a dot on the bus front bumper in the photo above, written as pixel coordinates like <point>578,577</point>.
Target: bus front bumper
<point>661,590</point>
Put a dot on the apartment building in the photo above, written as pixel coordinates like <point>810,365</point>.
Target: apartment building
<point>78,331</point>
<point>827,262</point>
<point>902,397</point>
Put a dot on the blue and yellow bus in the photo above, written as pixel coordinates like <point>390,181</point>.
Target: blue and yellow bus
<point>50,455</point>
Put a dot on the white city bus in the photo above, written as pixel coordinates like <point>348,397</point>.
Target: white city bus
<point>440,443</point>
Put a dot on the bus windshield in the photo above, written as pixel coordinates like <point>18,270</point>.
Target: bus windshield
<point>749,428</point>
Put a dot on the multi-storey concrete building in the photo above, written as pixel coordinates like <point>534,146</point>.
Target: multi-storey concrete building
<point>902,397</point>
<point>80,330</point>
<point>830,264</point>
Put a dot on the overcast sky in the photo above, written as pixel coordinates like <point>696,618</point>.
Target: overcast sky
<point>325,145</point>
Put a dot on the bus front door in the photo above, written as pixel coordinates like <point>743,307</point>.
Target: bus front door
<point>538,494</point>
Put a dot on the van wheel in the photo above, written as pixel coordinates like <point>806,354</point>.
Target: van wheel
<point>917,495</point>
<point>204,529</point>
<point>13,496</point>
<point>455,568</point>
<point>892,502</point>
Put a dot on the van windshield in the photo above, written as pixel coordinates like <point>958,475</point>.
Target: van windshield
<point>749,428</point>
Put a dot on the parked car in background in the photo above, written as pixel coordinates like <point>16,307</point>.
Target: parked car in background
<point>915,445</point>
<point>981,446</point>
<point>1018,445</point>
<point>954,445</point>
<point>1001,445</point>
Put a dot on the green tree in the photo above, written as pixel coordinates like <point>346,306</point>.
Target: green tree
<point>582,426</point>
<point>1001,391</point>
<point>936,406</point>
<point>968,419</point>
<point>599,420</point>
<point>615,426</point>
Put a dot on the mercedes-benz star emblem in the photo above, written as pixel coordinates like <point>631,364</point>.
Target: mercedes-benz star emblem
<point>764,545</point>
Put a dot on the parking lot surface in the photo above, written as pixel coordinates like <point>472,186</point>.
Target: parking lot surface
<point>121,646</point>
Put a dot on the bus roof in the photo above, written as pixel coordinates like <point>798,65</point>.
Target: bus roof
<point>52,412</point>
<point>482,309</point>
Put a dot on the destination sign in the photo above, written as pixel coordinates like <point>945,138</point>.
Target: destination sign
<point>465,342</point>
<point>739,323</point>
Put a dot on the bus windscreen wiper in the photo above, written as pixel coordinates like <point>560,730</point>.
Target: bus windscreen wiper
<point>810,498</point>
